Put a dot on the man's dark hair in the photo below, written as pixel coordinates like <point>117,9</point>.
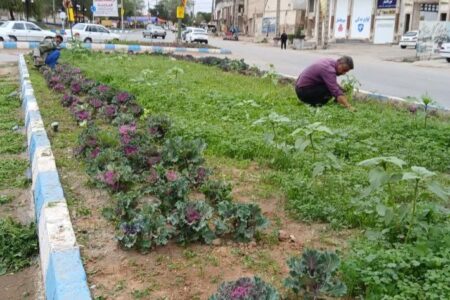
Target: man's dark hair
<point>60,37</point>
<point>346,60</point>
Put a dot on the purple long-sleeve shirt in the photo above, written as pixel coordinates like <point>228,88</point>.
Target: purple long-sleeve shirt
<point>321,72</point>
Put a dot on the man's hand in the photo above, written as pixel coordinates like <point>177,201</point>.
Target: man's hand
<point>342,100</point>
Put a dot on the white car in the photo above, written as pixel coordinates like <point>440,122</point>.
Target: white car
<point>197,35</point>
<point>444,51</point>
<point>153,31</point>
<point>93,33</point>
<point>24,31</point>
<point>409,39</point>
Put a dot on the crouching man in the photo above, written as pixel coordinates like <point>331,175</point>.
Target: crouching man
<point>48,52</point>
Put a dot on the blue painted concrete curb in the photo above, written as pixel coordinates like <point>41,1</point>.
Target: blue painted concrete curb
<point>120,47</point>
<point>62,269</point>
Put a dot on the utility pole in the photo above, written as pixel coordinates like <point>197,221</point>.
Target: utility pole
<point>53,12</point>
<point>277,32</point>
<point>318,23</point>
<point>121,14</point>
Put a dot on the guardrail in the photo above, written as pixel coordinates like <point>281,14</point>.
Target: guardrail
<point>62,270</point>
<point>120,48</point>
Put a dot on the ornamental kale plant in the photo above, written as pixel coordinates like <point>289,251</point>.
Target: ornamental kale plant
<point>170,189</point>
<point>103,92</point>
<point>217,191</point>
<point>146,230</point>
<point>191,221</point>
<point>246,288</point>
<point>313,275</point>
<point>158,126</point>
<point>198,175</point>
<point>67,100</point>
<point>240,220</point>
<point>183,153</point>
<point>121,98</point>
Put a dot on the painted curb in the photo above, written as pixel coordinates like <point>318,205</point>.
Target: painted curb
<point>62,269</point>
<point>121,48</point>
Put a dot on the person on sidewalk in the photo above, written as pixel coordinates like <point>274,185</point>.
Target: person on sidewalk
<point>284,38</point>
<point>317,84</point>
<point>48,52</point>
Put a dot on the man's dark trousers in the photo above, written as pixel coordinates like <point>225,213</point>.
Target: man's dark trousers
<point>316,95</point>
<point>283,44</point>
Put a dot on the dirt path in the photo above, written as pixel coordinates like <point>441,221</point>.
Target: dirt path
<point>24,284</point>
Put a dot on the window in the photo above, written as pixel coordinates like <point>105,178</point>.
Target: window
<point>311,5</point>
<point>31,26</point>
<point>18,26</point>
<point>102,30</point>
<point>92,28</point>
<point>79,26</point>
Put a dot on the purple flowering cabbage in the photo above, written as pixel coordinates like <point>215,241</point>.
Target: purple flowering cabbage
<point>95,153</point>
<point>110,178</point>
<point>110,111</point>
<point>171,176</point>
<point>59,87</point>
<point>82,115</point>
<point>192,215</point>
<point>130,150</point>
<point>75,88</point>
<point>103,88</point>
<point>96,103</point>
<point>122,97</point>
<point>153,177</point>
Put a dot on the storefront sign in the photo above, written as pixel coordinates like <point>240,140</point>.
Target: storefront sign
<point>340,28</point>
<point>105,8</point>
<point>387,3</point>
<point>362,15</point>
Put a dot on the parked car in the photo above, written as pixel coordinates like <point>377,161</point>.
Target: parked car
<point>4,38</point>
<point>93,33</point>
<point>185,32</point>
<point>409,39</point>
<point>198,35</point>
<point>444,51</point>
<point>153,31</point>
<point>24,31</point>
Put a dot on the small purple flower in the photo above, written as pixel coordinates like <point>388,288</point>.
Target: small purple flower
<point>103,88</point>
<point>110,111</point>
<point>95,153</point>
<point>59,87</point>
<point>130,150</point>
<point>82,115</point>
<point>110,178</point>
<point>96,103</point>
<point>75,87</point>
<point>171,176</point>
<point>127,129</point>
<point>240,292</point>
<point>122,97</point>
<point>192,215</point>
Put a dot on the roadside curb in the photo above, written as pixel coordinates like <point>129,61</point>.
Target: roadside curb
<point>120,48</point>
<point>62,270</point>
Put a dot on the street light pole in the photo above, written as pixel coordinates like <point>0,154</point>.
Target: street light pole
<point>121,14</point>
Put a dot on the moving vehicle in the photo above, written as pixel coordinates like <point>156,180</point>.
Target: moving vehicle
<point>409,39</point>
<point>153,31</point>
<point>444,51</point>
<point>24,31</point>
<point>93,33</point>
<point>198,35</point>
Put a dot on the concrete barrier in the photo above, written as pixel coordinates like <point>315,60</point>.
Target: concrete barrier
<point>62,270</point>
<point>120,48</point>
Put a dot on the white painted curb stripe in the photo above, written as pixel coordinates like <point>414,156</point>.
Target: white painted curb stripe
<point>62,269</point>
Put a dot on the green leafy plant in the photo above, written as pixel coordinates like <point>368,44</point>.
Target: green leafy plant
<point>350,85</point>
<point>182,152</point>
<point>175,72</point>
<point>4,199</point>
<point>18,244</point>
<point>309,132</point>
<point>245,288</point>
<point>275,121</point>
<point>426,100</point>
<point>216,191</point>
<point>272,75</point>
<point>240,220</point>
<point>147,229</point>
<point>313,275</point>
<point>191,221</point>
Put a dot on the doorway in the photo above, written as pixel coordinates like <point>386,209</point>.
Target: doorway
<point>407,21</point>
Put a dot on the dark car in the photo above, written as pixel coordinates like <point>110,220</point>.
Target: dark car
<point>153,31</point>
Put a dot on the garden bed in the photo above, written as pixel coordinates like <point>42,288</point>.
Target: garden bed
<point>312,174</point>
<point>19,269</point>
<point>165,44</point>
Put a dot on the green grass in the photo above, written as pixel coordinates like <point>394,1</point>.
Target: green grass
<point>221,108</point>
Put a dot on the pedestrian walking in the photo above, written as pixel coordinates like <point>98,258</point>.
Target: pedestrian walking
<point>317,84</point>
<point>284,38</point>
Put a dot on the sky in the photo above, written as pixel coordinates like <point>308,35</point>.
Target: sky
<point>199,5</point>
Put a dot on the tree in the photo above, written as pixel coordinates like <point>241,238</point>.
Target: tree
<point>202,17</point>
<point>13,6</point>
